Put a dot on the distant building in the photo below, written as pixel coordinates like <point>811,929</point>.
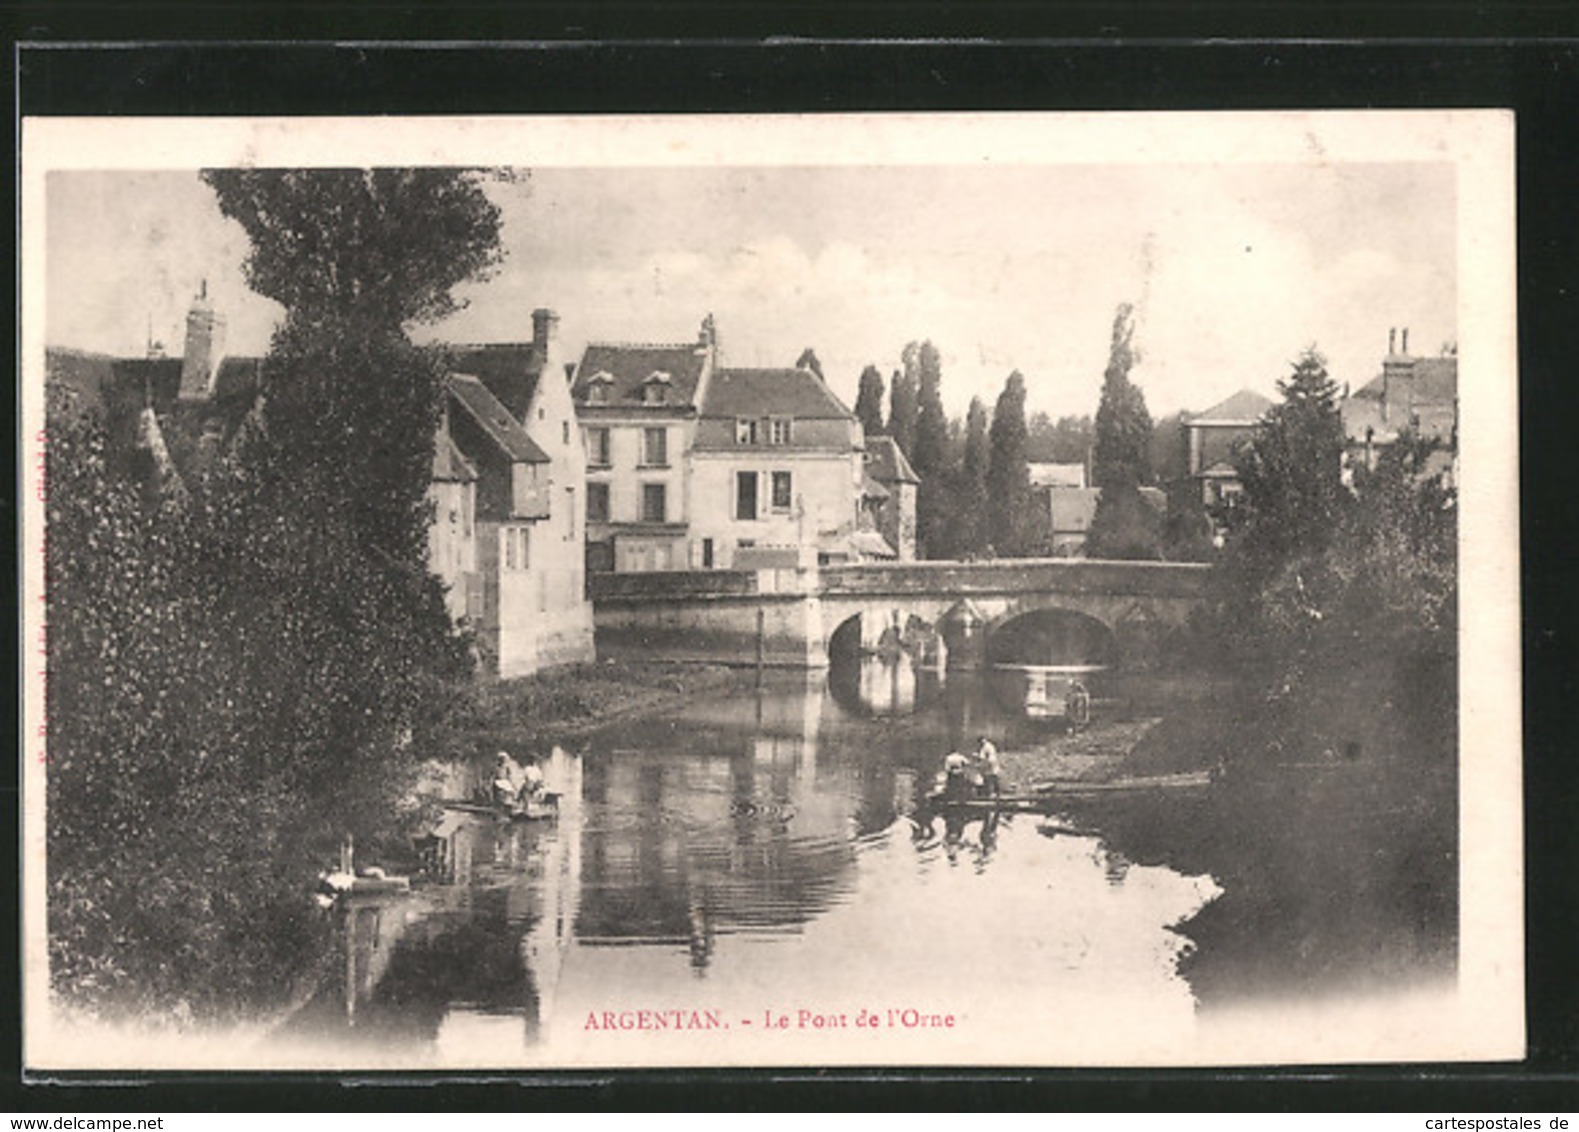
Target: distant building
<point>1063,494</point>
<point>1414,393</point>
<point>1210,484</point>
<point>691,466</point>
<point>777,474</point>
<point>889,490</point>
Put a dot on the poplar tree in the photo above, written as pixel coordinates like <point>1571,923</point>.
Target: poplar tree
<point>1008,477</point>
<point>902,405</point>
<point>869,401</point>
<point>930,458</point>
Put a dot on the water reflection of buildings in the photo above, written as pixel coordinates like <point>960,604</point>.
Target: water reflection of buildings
<point>732,827</point>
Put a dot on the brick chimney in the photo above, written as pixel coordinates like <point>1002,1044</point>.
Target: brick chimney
<point>1397,369</point>
<point>205,347</point>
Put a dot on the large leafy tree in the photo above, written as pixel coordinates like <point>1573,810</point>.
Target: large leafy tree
<point>242,672</point>
<point>869,401</point>
<point>1009,523</point>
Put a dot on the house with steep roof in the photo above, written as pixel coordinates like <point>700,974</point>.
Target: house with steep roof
<point>777,474</point>
<point>889,490</point>
<point>509,455</point>
<point>506,534</point>
<point>638,407</point>
<point>1418,394</point>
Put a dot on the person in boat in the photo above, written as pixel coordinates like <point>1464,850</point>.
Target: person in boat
<point>533,785</point>
<point>989,768</point>
<point>956,777</point>
<point>504,783</point>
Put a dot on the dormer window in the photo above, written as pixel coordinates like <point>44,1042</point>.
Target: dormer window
<point>778,431</point>
<point>745,431</point>
<point>598,388</point>
<point>655,390</point>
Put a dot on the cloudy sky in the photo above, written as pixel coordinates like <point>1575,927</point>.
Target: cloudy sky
<point>1232,269</point>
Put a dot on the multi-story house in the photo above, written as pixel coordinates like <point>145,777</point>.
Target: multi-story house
<point>509,471</point>
<point>638,409</point>
<point>777,472</point>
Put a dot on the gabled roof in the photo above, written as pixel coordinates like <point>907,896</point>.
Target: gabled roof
<point>629,366</point>
<point>1428,381</point>
<point>449,464</point>
<point>772,392</point>
<point>494,419</point>
<point>78,372</point>
<point>239,378</point>
<point>886,463</point>
<point>510,370</point>
<point>1245,407</point>
<point>871,489</point>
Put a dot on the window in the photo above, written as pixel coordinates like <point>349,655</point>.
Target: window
<point>655,447</point>
<point>597,502</point>
<point>781,491</point>
<point>570,514</point>
<point>779,431</point>
<point>654,503</point>
<point>517,547</point>
<point>655,390</point>
<point>745,431</point>
<point>564,427</point>
<point>598,388</point>
<point>598,447</point>
<point>745,495</point>
<point>707,554</point>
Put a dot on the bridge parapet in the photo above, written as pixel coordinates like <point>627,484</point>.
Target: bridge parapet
<point>1073,576</point>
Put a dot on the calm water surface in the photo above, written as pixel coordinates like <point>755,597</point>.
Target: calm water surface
<point>751,860</point>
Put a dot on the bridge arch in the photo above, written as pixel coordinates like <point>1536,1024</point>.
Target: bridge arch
<point>1051,635</point>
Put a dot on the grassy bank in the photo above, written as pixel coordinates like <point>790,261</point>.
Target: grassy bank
<point>534,712</point>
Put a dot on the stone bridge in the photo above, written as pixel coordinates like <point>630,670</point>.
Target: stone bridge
<point>1041,611</point>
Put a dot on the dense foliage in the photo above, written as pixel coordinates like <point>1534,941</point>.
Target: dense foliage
<point>244,663</point>
<point>1332,599</point>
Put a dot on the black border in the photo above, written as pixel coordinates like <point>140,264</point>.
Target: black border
<point>610,59</point>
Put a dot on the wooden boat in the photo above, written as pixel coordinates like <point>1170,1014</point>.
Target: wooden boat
<point>547,809</point>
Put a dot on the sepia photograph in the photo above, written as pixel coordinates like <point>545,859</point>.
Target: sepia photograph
<point>978,590</point>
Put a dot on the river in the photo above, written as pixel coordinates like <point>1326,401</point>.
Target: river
<point>742,880</point>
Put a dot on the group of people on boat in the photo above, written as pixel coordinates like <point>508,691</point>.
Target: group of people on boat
<point>977,775</point>
<point>517,785</point>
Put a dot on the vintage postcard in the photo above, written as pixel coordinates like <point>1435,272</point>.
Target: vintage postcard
<point>855,590</point>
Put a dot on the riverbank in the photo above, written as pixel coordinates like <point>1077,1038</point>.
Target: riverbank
<point>533,713</point>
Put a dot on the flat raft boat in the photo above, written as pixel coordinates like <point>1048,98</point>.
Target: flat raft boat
<point>1044,796</point>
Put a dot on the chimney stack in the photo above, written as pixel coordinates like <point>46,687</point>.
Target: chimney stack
<point>545,328</point>
<point>1405,349</point>
<point>1392,341</point>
